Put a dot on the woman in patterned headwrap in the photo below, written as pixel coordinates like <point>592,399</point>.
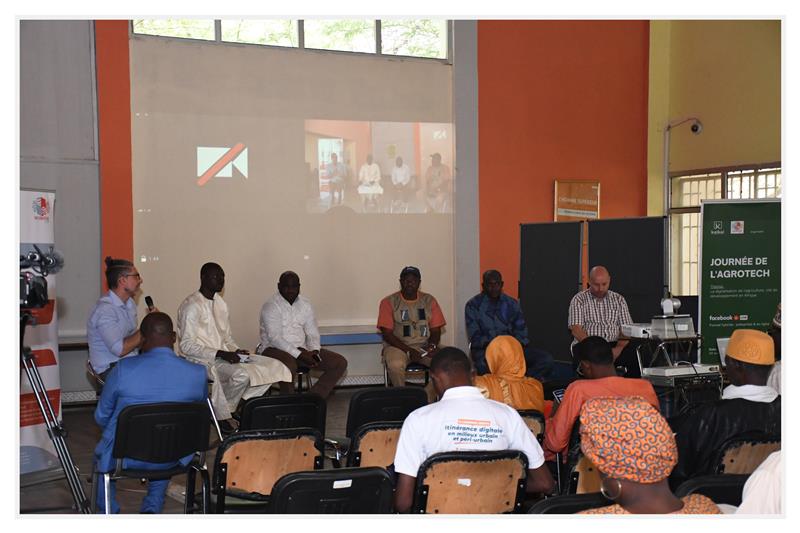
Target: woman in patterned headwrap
<point>632,446</point>
<point>506,381</point>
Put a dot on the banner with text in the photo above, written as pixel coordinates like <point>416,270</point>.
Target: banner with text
<point>740,278</point>
<point>36,449</point>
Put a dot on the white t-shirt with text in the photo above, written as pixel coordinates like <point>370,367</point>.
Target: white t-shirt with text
<point>463,420</point>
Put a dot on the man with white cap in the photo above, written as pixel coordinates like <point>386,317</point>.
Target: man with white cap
<point>748,404</point>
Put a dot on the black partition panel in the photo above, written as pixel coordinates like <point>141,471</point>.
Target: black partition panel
<point>632,249</point>
<point>549,276</point>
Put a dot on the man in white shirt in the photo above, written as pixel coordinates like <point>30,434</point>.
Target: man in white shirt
<point>289,334</point>
<point>369,179</point>
<point>401,181</point>
<point>429,429</point>
<point>204,337</point>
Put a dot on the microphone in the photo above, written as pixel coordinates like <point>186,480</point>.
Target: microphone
<point>149,303</point>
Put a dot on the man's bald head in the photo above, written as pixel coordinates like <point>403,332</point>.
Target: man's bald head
<point>157,331</point>
<point>599,281</point>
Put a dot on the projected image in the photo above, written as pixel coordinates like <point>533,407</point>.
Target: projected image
<point>379,167</point>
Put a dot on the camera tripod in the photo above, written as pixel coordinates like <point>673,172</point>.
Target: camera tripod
<point>55,430</point>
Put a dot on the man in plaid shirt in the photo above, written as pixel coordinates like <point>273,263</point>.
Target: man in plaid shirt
<point>599,311</point>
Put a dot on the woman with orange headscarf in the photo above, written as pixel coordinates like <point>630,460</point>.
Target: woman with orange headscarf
<point>634,449</point>
<point>506,381</point>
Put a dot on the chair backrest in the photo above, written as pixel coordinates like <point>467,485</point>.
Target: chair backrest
<point>161,432</point>
<point>570,504</point>
<point>535,421</point>
<point>374,444</point>
<point>387,404</point>
<point>743,453</point>
<point>248,463</point>
<point>284,412</point>
<point>721,488</point>
<point>484,482</point>
<point>584,477</point>
<point>338,491</point>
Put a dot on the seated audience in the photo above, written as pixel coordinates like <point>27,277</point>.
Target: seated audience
<point>156,375</point>
<point>492,313</point>
<point>425,430</point>
<point>204,337</point>
<point>763,491</point>
<point>747,405</point>
<point>506,381</point>
<point>411,323</point>
<point>632,447</point>
<point>596,363</point>
<point>289,334</point>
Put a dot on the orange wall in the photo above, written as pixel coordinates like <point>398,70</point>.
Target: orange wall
<point>114,127</point>
<point>557,99</point>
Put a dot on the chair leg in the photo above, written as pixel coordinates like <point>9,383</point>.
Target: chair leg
<point>206,485</point>
<point>95,487</point>
<point>107,495</point>
<point>188,498</point>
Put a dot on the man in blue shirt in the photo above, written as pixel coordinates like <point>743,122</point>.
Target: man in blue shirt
<point>492,313</point>
<point>155,376</point>
<point>112,331</point>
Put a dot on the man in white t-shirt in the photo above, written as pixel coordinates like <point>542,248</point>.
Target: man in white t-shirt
<point>429,429</point>
<point>401,181</point>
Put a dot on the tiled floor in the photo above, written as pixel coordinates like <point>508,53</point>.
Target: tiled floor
<point>83,435</point>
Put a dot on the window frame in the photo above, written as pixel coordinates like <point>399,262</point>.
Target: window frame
<point>447,60</point>
<point>676,258</point>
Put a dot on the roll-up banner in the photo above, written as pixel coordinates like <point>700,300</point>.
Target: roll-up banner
<point>36,449</point>
<point>740,273</point>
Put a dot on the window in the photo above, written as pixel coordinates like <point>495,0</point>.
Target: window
<point>686,193</point>
<point>268,32</point>
<point>184,28</point>
<point>424,38</point>
<point>414,37</point>
<point>349,35</point>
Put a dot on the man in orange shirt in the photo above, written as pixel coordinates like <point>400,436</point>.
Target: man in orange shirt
<point>596,364</point>
<point>411,324</point>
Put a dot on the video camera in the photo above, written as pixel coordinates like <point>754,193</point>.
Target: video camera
<point>33,285</point>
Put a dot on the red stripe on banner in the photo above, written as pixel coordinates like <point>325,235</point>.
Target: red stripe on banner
<point>44,357</point>
<point>43,315</point>
<point>29,413</point>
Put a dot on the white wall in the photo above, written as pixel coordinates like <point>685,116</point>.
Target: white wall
<point>58,152</point>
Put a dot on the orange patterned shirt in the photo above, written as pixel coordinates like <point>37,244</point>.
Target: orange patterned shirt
<point>692,504</point>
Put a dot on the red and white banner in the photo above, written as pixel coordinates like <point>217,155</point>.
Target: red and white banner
<point>36,448</point>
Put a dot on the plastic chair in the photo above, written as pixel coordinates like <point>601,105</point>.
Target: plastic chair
<point>374,444</point>
<point>248,464</point>
<point>535,421</point>
<point>721,488</point>
<point>160,433</point>
<point>415,369</point>
<point>284,412</point>
<point>483,482</point>
<point>570,504</point>
<point>342,491</point>
<point>392,404</point>
<point>743,453</point>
